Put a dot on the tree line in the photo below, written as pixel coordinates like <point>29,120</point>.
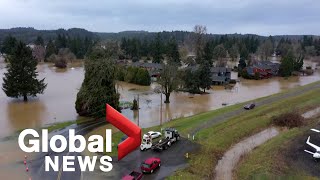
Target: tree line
<point>78,46</point>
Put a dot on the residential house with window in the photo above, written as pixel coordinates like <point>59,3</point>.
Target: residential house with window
<point>220,75</point>
<point>265,69</point>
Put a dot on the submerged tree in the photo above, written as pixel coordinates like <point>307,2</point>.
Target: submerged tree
<point>168,80</point>
<point>99,84</point>
<point>287,66</point>
<point>21,78</point>
<point>205,76</point>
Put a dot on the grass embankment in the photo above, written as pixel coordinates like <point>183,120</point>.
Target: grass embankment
<point>61,125</point>
<point>267,161</point>
<point>217,139</point>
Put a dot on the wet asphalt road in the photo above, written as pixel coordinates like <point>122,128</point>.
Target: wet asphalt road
<point>172,160</point>
<point>37,167</point>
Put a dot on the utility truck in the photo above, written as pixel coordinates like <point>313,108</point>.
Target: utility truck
<point>171,135</point>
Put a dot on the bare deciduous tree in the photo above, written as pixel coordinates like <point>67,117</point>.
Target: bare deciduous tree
<point>199,40</point>
<point>265,50</point>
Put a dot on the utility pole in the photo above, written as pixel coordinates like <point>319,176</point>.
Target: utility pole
<point>161,109</point>
<point>138,111</point>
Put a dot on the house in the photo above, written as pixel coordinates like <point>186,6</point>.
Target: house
<point>153,68</point>
<point>220,75</point>
<point>274,67</point>
<point>265,69</point>
<point>31,46</point>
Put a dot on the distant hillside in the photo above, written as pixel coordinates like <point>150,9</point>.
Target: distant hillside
<point>28,35</point>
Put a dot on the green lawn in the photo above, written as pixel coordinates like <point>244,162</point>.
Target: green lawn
<point>266,162</point>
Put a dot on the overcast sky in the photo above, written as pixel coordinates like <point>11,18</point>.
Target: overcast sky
<point>264,17</point>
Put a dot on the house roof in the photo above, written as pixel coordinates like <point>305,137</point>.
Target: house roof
<point>147,65</point>
<point>218,78</point>
<point>152,65</point>
<point>261,66</point>
<point>219,69</point>
<point>250,70</point>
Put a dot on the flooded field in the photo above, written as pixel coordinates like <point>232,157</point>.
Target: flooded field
<point>57,102</point>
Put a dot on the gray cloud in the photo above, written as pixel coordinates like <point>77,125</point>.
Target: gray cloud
<point>263,17</point>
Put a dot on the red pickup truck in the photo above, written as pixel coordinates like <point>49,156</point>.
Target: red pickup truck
<point>134,175</point>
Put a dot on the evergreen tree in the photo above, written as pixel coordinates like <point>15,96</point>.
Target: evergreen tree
<point>233,52</point>
<point>242,64</point>
<point>244,53</point>
<point>98,86</point>
<point>8,45</point>
<point>287,66</point>
<point>208,52</point>
<point>50,49</point>
<point>61,41</point>
<point>173,52</point>
<point>142,77</point>
<point>39,41</point>
<point>204,75</point>
<point>157,50</point>
<point>192,81</point>
<point>21,78</point>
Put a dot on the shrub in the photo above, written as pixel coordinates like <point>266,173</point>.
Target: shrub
<point>135,105</point>
<point>290,120</point>
<point>256,75</point>
<point>135,59</point>
<point>245,74</point>
<point>137,76</point>
<point>142,77</point>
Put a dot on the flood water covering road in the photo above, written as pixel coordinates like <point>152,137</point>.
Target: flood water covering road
<point>57,104</point>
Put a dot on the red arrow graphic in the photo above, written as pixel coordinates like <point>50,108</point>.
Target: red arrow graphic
<point>126,126</point>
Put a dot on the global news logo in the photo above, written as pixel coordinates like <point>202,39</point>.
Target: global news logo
<point>95,144</point>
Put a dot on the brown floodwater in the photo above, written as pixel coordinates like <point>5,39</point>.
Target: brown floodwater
<point>57,102</point>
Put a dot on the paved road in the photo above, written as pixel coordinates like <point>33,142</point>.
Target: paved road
<point>171,160</point>
<point>265,101</point>
<point>37,167</point>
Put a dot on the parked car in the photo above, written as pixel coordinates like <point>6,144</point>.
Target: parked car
<point>150,164</point>
<point>134,175</point>
<point>249,106</point>
<point>152,134</point>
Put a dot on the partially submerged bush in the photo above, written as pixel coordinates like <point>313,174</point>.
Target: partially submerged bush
<point>290,120</point>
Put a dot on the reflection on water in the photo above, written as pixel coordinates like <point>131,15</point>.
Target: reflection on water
<point>57,103</point>
<point>21,115</point>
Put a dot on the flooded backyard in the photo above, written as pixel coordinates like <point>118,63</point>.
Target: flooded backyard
<point>57,102</point>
